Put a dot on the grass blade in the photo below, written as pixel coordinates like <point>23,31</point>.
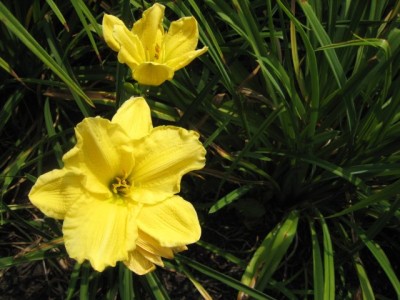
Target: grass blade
<point>229,281</point>
<point>16,27</point>
<point>383,261</point>
<point>270,252</point>
<point>232,196</point>
<point>155,287</point>
<point>366,287</point>
<point>58,13</point>
<point>324,40</point>
<point>318,268</point>
<point>125,283</point>
<point>73,281</point>
<point>329,265</point>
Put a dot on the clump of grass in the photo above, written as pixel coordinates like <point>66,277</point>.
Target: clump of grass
<point>298,106</point>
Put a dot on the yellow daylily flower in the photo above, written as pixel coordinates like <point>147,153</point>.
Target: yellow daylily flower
<point>152,54</point>
<point>117,190</point>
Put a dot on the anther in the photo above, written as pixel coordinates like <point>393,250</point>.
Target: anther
<point>157,52</point>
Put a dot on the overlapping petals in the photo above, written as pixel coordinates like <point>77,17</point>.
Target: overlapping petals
<point>149,29</point>
<point>116,191</point>
<point>152,54</point>
<point>103,151</point>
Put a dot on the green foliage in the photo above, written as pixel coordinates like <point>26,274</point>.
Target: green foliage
<point>298,106</point>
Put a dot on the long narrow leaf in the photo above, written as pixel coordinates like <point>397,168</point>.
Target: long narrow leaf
<point>58,13</point>
<point>383,261</point>
<point>366,287</point>
<point>16,27</point>
<point>329,265</point>
<point>232,196</point>
<point>267,257</point>
<point>229,281</point>
<point>318,269</point>
<point>156,288</point>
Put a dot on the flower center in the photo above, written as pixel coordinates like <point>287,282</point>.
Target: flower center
<point>121,186</point>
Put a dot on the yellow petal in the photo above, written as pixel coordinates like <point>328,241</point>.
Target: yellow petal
<point>131,51</point>
<point>172,223</point>
<point>179,249</point>
<point>152,73</point>
<point>182,37</point>
<point>55,191</point>
<point>137,263</point>
<point>103,151</point>
<point>150,245</point>
<point>155,259</point>
<point>182,61</point>
<point>150,31</point>
<point>134,117</point>
<point>162,158</point>
<point>109,22</point>
<point>102,232</point>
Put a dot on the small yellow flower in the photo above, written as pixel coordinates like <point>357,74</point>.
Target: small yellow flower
<point>117,190</point>
<point>152,54</point>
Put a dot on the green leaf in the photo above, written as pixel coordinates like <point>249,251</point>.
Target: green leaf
<point>329,264</point>
<point>155,287</point>
<point>58,13</point>
<point>383,261</point>
<point>266,259</point>
<point>51,132</point>
<point>324,40</point>
<point>225,279</point>
<point>16,27</point>
<point>366,287</point>
<point>125,283</point>
<point>82,12</point>
<point>84,287</point>
<point>318,268</point>
<point>73,281</point>
<point>385,194</point>
<point>232,196</point>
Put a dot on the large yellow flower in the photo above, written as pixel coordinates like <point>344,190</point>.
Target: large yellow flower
<point>117,190</point>
<point>152,54</point>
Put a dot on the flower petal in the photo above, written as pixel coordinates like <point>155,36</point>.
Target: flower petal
<point>134,117</point>
<point>172,223</point>
<point>150,245</point>
<point>179,249</point>
<point>109,22</point>
<point>55,191</point>
<point>150,31</point>
<point>101,231</point>
<point>162,158</point>
<point>103,151</point>
<point>137,263</point>
<point>182,37</point>
<point>155,259</point>
<point>152,73</point>
<point>185,59</point>
<point>131,50</point>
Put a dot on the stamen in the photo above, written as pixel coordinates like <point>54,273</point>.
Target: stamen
<point>121,186</point>
<point>157,52</point>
